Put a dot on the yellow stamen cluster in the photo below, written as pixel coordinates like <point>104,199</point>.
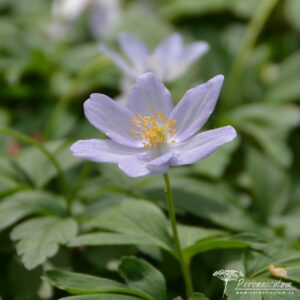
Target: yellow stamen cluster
<point>153,130</point>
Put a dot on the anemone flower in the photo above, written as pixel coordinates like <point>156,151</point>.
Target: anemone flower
<point>103,16</point>
<point>149,135</point>
<point>170,60</point>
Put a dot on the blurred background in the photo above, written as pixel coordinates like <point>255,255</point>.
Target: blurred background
<point>50,63</point>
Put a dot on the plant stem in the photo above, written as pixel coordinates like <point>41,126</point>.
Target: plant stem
<point>260,16</point>
<point>26,139</point>
<point>225,288</point>
<point>183,264</point>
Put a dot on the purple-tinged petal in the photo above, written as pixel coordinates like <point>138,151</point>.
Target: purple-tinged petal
<point>112,118</point>
<point>201,145</point>
<point>136,167</point>
<point>161,160</point>
<point>180,64</point>
<point>106,151</point>
<point>171,47</point>
<point>149,96</point>
<point>163,60</point>
<point>193,51</point>
<point>118,60</point>
<point>193,110</point>
<point>135,50</point>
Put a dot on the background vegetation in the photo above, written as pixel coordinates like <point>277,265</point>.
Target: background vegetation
<point>240,206</point>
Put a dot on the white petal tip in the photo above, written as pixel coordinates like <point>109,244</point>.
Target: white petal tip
<point>231,132</point>
<point>218,79</point>
<point>206,46</point>
<point>74,148</point>
<point>202,46</point>
<point>146,75</point>
<point>93,96</point>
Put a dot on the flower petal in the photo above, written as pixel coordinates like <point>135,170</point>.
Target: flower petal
<point>112,118</point>
<point>161,160</point>
<point>193,110</point>
<point>134,49</point>
<point>201,145</point>
<point>163,60</point>
<point>193,51</point>
<point>171,47</point>
<point>134,167</point>
<point>149,96</point>
<point>103,151</point>
<point>104,18</point>
<point>180,64</point>
<point>140,166</point>
<point>118,60</point>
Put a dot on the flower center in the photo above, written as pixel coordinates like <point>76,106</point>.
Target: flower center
<point>153,130</point>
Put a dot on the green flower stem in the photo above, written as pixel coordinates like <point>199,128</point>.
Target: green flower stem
<point>184,265</point>
<point>28,140</point>
<point>260,16</point>
<point>85,170</point>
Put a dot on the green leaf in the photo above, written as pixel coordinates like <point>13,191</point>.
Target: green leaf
<point>135,217</point>
<point>149,22</point>
<point>39,238</point>
<point>189,235</point>
<point>101,297</point>
<point>213,244</point>
<point>269,184</point>
<point>198,296</point>
<point>270,142</point>
<point>141,276</point>
<point>76,58</point>
<point>293,273</point>
<point>19,205</point>
<point>113,239</point>
<point>284,91</point>
<point>214,165</point>
<point>38,167</point>
<point>286,77</point>
<point>289,67</point>
<point>4,117</point>
<point>9,182</point>
<point>291,10</point>
<point>281,117</point>
<point>290,222</point>
<point>277,253</point>
<point>204,200</point>
<point>268,124</point>
<point>183,8</point>
<point>77,283</point>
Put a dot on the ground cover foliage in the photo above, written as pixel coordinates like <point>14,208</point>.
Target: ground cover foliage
<point>71,229</point>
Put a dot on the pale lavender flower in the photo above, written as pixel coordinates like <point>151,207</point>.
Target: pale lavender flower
<point>149,135</point>
<point>170,60</point>
<point>103,16</point>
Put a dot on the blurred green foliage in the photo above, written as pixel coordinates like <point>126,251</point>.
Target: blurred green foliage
<point>239,208</point>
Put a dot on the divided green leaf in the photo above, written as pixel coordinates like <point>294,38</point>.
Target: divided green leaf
<point>39,238</point>
<point>19,205</point>
<point>141,276</point>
